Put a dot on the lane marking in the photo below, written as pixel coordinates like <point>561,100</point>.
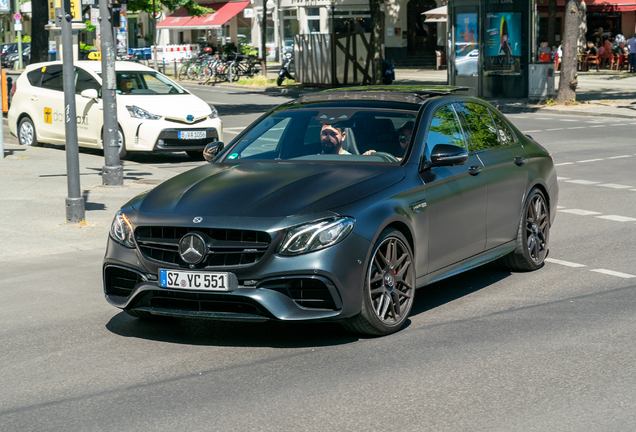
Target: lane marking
<point>598,126</point>
<point>563,178</point>
<point>570,120</point>
<point>614,273</point>
<point>614,186</point>
<point>239,128</point>
<point>581,212</point>
<point>590,160</point>
<point>560,207</point>
<point>583,182</point>
<point>543,118</point>
<point>230,132</point>
<point>553,129</point>
<point>578,127</point>
<point>565,263</point>
<point>618,157</point>
<point>531,131</point>
<point>564,163</point>
<point>617,218</point>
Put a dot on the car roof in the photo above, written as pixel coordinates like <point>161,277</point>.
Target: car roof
<point>404,94</point>
<point>96,66</point>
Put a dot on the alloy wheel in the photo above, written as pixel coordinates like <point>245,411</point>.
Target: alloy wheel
<point>26,133</point>
<point>391,281</point>
<point>536,229</point>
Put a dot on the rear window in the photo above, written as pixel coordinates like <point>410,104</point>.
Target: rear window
<point>34,77</point>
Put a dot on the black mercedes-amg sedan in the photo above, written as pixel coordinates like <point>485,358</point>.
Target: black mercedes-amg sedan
<point>336,207</point>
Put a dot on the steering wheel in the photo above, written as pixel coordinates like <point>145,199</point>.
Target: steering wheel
<point>388,156</point>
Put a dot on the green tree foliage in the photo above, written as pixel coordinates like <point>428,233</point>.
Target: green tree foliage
<point>191,7</point>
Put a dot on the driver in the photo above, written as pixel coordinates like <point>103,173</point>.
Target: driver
<point>331,139</point>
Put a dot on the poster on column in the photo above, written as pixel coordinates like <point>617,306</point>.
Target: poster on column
<point>503,43</point>
<point>122,31</point>
<point>466,53</point>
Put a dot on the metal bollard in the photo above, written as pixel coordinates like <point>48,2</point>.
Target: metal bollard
<point>175,69</point>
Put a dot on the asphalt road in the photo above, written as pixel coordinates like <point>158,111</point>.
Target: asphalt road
<point>551,350</point>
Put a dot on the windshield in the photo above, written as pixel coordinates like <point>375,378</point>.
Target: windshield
<point>145,83</point>
<point>333,134</point>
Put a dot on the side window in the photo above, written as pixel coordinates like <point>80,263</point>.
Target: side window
<point>34,77</point>
<point>83,81</point>
<point>52,78</point>
<point>479,125</point>
<point>505,134</point>
<point>444,129</point>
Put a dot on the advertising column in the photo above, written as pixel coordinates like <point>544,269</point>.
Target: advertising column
<point>503,44</point>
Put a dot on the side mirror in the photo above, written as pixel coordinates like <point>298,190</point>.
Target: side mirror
<point>446,155</point>
<point>89,93</point>
<point>211,151</point>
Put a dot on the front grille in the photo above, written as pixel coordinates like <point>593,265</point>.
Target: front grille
<point>185,122</point>
<point>310,293</point>
<point>226,247</point>
<point>119,281</point>
<point>203,302</point>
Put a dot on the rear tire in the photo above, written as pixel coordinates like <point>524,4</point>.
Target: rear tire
<point>533,235</point>
<point>26,133</point>
<point>279,80</point>
<point>389,288</point>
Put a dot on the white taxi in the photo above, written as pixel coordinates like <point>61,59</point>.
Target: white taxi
<point>153,112</point>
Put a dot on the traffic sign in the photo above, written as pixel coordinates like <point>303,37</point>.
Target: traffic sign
<point>17,16</point>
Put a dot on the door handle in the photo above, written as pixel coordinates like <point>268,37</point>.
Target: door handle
<point>474,170</point>
<point>519,160</point>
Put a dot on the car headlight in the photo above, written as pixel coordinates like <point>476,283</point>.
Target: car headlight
<point>141,113</point>
<point>215,113</point>
<point>122,230</point>
<point>316,235</point>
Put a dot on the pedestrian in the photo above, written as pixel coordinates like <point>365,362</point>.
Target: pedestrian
<point>631,45</point>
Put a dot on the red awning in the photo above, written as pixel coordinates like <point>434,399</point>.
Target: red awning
<point>224,12</point>
<point>596,5</point>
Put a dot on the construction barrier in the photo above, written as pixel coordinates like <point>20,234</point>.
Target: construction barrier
<point>176,53</point>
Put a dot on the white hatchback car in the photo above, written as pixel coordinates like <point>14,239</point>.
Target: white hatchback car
<point>153,112</point>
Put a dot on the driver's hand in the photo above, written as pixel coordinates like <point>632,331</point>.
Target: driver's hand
<point>368,152</point>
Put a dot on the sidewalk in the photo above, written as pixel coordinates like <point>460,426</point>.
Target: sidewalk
<point>605,93</point>
<point>33,190</point>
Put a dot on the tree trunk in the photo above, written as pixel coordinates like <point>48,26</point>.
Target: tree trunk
<point>264,39</point>
<point>40,37</point>
<point>567,80</point>
<point>377,17</point>
<point>552,8</point>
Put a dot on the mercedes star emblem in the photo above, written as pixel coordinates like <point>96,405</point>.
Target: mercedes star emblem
<point>192,248</point>
<point>197,219</point>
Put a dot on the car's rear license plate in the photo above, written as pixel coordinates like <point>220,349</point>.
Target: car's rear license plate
<point>188,135</point>
<point>205,281</point>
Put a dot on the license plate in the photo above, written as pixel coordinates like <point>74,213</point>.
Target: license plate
<point>188,135</point>
<point>205,281</point>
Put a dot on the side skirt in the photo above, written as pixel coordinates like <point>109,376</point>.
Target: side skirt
<point>467,264</point>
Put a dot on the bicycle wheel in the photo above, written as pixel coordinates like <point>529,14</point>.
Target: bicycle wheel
<point>183,72</point>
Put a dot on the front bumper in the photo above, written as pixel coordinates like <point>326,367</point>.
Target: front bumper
<point>163,135</point>
<point>325,285</point>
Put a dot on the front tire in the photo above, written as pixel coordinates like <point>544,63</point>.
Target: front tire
<point>533,235</point>
<point>121,143</point>
<point>389,287</point>
<point>279,80</point>
<point>26,133</point>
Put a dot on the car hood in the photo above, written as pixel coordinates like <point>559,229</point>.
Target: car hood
<point>266,189</point>
<point>173,105</point>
